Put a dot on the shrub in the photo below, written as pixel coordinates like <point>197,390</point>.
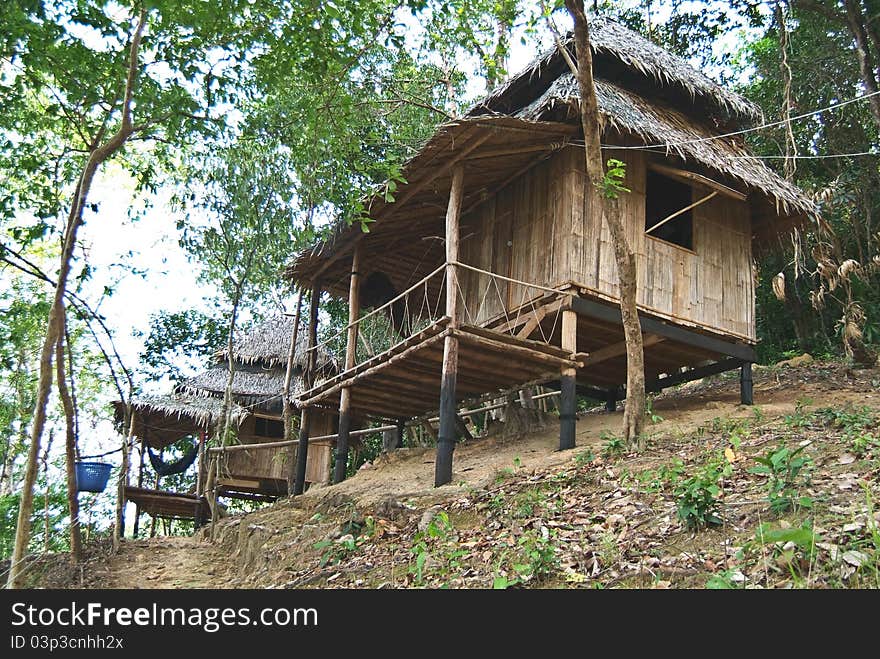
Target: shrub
<point>696,497</point>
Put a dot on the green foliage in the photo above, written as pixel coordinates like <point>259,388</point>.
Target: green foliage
<point>437,534</point>
<point>650,413</point>
<point>584,458</point>
<point>800,418</point>
<point>786,471</point>
<point>864,444</point>
<point>697,497</point>
<point>507,472</point>
<point>665,477</point>
<point>850,419</point>
<point>184,337</point>
<point>615,174</point>
<point>529,502</point>
<point>801,536</point>
<point>537,553</point>
<point>613,446</point>
<point>723,581</point>
<point>819,33</point>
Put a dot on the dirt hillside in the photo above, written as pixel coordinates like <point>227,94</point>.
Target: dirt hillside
<point>519,512</point>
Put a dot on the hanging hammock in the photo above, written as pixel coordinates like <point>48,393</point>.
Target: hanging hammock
<point>163,468</point>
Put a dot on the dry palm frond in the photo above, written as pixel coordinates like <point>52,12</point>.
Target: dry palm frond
<point>817,298</point>
<point>849,267</point>
<point>779,286</point>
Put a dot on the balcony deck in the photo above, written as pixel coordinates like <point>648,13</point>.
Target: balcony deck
<point>404,381</point>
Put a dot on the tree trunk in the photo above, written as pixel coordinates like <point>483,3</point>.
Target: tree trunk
<point>98,154</point>
<point>855,20</point>
<point>122,482</point>
<point>226,411</point>
<point>48,491</point>
<point>634,415</point>
<point>285,401</point>
<point>790,164</point>
<point>70,452</point>
<point>44,387</point>
<point>225,420</point>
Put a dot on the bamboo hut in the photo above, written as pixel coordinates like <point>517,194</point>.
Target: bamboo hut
<point>194,409</point>
<point>490,270</point>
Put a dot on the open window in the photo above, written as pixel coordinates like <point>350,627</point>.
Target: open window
<point>268,427</point>
<point>664,197</point>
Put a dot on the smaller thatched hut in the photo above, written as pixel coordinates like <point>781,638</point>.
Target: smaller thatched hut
<point>194,410</point>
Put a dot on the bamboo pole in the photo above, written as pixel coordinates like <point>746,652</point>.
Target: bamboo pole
<point>287,442</point>
<point>449,373</point>
<point>287,412</point>
<point>350,357</point>
<point>681,212</point>
<point>568,403</point>
<point>305,419</point>
<point>140,483</point>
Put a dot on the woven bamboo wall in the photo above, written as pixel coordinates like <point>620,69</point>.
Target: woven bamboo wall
<point>271,463</point>
<point>540,229</point>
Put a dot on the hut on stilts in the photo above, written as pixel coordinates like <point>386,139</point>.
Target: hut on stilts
<point>257,468</point>
<point>490,270</point>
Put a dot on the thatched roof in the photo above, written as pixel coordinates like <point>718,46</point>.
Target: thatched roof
<point>627,112</point>
<point>251,384</point>
<point>201,410</point>
<point>647,96</point>
<point>162,420</point>
<point>625,56</point>
<point>268,343</point>
<point>417,217</point>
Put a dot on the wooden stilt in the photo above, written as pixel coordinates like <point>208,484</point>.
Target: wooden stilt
<point>568,384</point>
<point>200,476</point>
<point>462,428</point>
<point>611,401</point>
<point>401,428</point>
<point>140,482</point>
<point>350,357</point>
<point>302,451</point>
<point>286,404</point>
<point>447,433</point>
<point>746,393</point>
<point>429,430</point>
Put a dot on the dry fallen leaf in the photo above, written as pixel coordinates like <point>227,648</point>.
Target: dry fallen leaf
<point>855,558</point>
<point>729,454</point>
<point>847,458</point>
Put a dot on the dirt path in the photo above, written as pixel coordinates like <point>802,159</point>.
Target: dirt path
<point>407,476</point>
<point>163,562</point>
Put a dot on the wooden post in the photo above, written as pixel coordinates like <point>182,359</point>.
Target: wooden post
<point>200,476</point>
<point>568,384</point>
<point>350,358</point>
<point>140,481</point>
<point>746,394</point>
<point>611,401</point>
<point>401,427</point>
<point>286,405</point>
<point>302,451</point>
<point>449,375</point>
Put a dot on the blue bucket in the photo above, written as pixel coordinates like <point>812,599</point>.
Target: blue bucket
<point>92,476</point>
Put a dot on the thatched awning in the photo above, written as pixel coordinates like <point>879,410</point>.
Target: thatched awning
<point>626,57</point>
<point>268,343</point>
<point>251,384</point>
<point>655,123</point>
<point>163,420</point>
<point>406,236</point>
